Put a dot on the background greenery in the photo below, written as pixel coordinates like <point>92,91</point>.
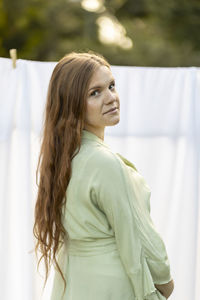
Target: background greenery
<point>164,33</point>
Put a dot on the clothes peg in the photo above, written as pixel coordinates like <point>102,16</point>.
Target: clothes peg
<point>13,55</point>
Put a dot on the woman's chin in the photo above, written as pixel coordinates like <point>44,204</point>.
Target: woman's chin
<point>113,122</point>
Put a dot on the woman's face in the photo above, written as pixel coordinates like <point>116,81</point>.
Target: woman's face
<point>102,97</point>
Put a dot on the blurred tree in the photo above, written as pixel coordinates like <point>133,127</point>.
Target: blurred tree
<point>163,33</point>
<point>180,20</point>
<point>167,32</point>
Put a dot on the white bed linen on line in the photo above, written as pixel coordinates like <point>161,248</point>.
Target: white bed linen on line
<point>159,131</point>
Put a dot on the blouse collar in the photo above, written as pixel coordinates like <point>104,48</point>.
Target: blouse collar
<point>88,135</point>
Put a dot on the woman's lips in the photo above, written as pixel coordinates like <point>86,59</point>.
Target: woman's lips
<point>112,111</point>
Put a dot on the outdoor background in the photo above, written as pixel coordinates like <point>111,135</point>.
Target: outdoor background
<point>127,32</point>
<point>153,47</point>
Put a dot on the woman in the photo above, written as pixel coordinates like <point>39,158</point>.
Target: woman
<point>92,214</point>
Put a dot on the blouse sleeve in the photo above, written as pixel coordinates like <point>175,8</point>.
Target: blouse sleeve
<point>124,197</point>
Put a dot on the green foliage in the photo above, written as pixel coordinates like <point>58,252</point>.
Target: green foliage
<point>164,33</point>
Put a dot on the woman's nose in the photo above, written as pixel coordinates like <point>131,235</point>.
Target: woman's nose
<point>110,96</point>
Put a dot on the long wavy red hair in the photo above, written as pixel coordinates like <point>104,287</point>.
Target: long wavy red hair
<point>63,123</point>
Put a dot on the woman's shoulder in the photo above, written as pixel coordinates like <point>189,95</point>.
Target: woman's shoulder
<point>126,161</point>
<point>95,156</point>
<point>104,157</point>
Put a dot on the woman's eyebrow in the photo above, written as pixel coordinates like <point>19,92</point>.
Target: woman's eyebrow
<point>99,86</point>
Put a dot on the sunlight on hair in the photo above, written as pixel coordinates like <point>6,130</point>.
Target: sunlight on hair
<point>93,5</point>
<point>112,32</point>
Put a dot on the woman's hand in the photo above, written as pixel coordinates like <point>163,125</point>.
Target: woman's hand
<point>165,289</point>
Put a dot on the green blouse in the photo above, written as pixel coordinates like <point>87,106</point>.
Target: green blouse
<point>114,251</point>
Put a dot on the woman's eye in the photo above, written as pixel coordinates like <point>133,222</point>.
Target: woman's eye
<point>94,93</point>
<point>112,85</point>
